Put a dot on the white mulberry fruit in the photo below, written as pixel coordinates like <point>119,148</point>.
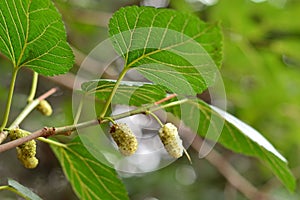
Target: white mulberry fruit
<point>169,136</point>
<point>124,138</point>
<point>45,108</point>
<point>25,152</point>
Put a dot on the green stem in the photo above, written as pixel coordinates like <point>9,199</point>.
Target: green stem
<point>169,105</point>
<point>25,112</point>
<point>155,117</point>
<point>4,187</point>
<point>148,108</point>
<point>7,187</point>
<point>77,126</point>
<point>113,92</point>
<point>33,86</point>
<point>109,119</point>
<point>30,106</point>
<point>9,99</point>
<point>78,113</point>
<point>52,142</point>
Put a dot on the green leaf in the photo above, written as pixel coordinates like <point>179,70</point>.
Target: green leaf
<point>173,49</point>
<point>129,93</point>
<point>26,192</point>
<point>32,34</point>
<point>89,178</point>
<point>235,135</point>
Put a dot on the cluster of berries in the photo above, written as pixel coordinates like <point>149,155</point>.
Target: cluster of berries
<point>26,152</point>
<point>127,141</point>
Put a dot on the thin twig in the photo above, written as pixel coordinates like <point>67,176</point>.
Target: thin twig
<point>165,99</point>
<point>30,106</point>
<point>25,112</point>
<point>48,93</point>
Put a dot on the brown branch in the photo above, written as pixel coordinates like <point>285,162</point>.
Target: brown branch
<point>3,136</point>
<point>165,99</point>
<point>48,93</point>
<point>47,132</point>
<point>18,142</point>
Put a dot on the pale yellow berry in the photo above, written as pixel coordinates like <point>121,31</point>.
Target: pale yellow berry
<point>30,163</point>
<point>124,138</point>
<point>17,133</point>
<point>25,152</point>
<point>44,107</point>
<point>171,140</point>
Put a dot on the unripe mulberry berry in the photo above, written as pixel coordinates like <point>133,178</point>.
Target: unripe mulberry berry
<point>25,152</point>
<point>30,163</point>
<point>171,140</point>
<point>44,107</point>
<point>124,138</point>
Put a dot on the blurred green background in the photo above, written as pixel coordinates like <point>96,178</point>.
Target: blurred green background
<point>261,69</point>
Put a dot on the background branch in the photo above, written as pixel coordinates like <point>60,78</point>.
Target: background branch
<point>230,173</point>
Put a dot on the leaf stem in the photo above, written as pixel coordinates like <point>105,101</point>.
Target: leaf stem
<point>155,117</point>
<point>7,187</point>
<point>33,87</point>
<point>52,142</point>
<point>174,103</point>
<point>78,112</point>
<point>9,98</point>
<point>113,92</point>
<point>30,106</point>
<point>25,112</point>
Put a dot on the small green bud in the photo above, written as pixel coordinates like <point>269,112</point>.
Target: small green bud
<point>124,138</point>
<point>45,108</point>
<point>171,140</point>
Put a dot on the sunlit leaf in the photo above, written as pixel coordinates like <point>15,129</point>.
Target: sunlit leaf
<point>170,48</point>
<point>32,34</point>
<point>89,178</point>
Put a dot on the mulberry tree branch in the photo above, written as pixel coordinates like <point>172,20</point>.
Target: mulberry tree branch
<point>67,130</point>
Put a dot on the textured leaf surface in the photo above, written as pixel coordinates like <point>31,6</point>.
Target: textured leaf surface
<point>23,190</point>
<point>32,34</point>
<point>90,178</point>
<point>235,135</point>
<point>129,93</point>
<point>170,48</point>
